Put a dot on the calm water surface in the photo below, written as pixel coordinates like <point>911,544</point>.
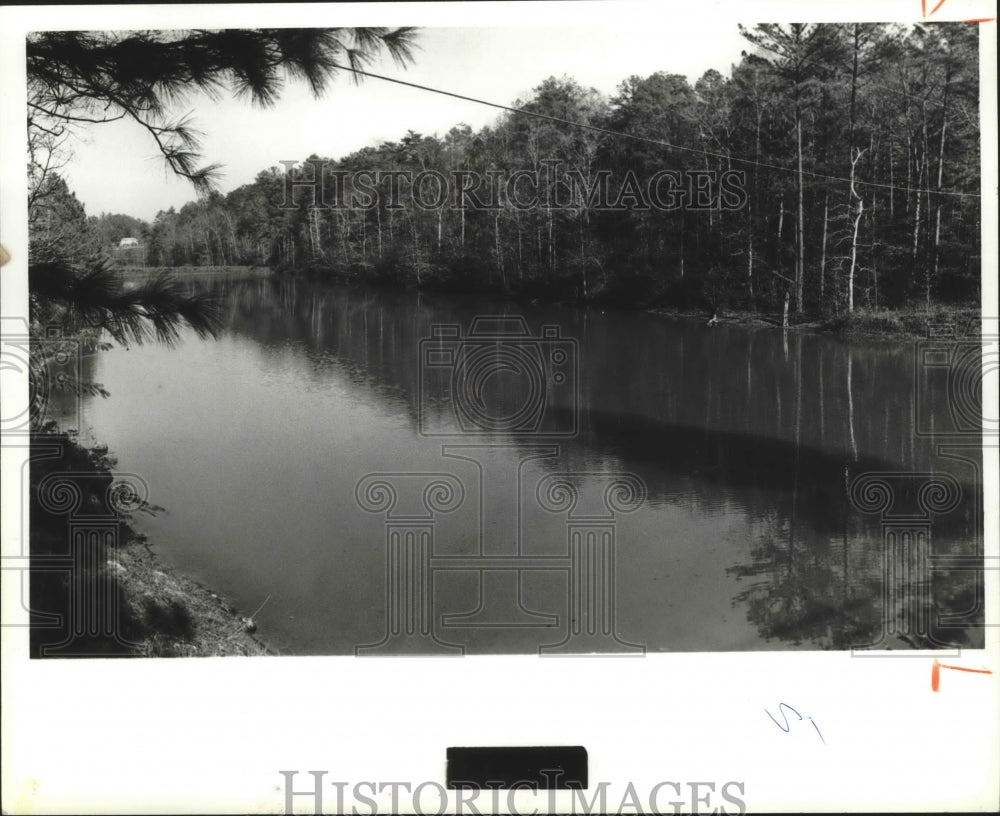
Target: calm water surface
<point>704,475</point>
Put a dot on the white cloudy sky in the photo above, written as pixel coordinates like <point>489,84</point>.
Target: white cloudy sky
<point>495,51</point>
<point>117,169</point>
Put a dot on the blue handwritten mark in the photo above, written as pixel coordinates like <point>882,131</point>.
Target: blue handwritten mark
<point>783,709</point>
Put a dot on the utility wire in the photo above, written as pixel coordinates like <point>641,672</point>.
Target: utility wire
<point>648,140</point>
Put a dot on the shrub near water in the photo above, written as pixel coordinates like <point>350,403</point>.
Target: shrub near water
<point>906,322</point>
<point>51,538</point>
<point>146,623</point>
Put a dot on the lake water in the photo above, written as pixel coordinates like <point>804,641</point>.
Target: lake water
<point>404,472</point>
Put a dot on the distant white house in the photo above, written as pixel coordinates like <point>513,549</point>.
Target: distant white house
<point>126,243</point>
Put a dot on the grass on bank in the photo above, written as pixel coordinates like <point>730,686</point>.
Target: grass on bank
<point>962,320</point>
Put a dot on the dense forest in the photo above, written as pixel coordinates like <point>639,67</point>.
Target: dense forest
<point>852,152</point>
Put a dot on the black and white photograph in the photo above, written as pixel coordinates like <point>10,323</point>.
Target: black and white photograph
<point>421,350</point>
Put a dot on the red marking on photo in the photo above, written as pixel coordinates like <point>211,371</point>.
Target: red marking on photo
<point>936,672</point>
<point>923,7</point>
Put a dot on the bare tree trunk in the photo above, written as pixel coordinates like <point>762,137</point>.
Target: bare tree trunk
<point>892,185</point>
<point>520,259</point>
<point>873,173</point>
<point>754,207</point>
<point>416,245</point>
<point>781,225</point>
<point>940,175</point>
<point>916,217</point>
<point>800,257</point>
<point>315,243</point>
<point>682,244</point>
<point>344,235</point>
<point>850,405</point>
<point>552,246</point>
<point>937,243</point>
<point>854,238</point>
<point>822,256</point>
<point>909,170</point>
<point>927,159</point>
<point>852,193</point>
<point>499,249</point>
<point>711,219</point>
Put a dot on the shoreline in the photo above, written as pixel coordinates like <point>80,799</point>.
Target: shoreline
<point>910,322</point>
<point>903,323</point>
<point>209,626</point>
<point>889,325</point>
<point>151,610</point>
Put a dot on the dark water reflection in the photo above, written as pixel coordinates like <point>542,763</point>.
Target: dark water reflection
<point>747,443</point>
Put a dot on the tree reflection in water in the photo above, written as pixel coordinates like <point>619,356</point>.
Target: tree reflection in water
<point>776,426</point>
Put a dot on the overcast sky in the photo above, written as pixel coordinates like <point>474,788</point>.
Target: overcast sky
<point>117,167</point>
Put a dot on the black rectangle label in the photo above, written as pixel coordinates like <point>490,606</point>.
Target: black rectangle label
<point>555,767</point>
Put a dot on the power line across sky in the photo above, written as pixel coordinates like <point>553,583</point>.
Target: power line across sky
<point>657,142</point>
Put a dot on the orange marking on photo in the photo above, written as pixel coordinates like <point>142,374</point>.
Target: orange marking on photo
<point>923,7</point>
<point>936,672</point>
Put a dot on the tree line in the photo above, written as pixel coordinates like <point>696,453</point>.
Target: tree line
<point>856,146</point>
